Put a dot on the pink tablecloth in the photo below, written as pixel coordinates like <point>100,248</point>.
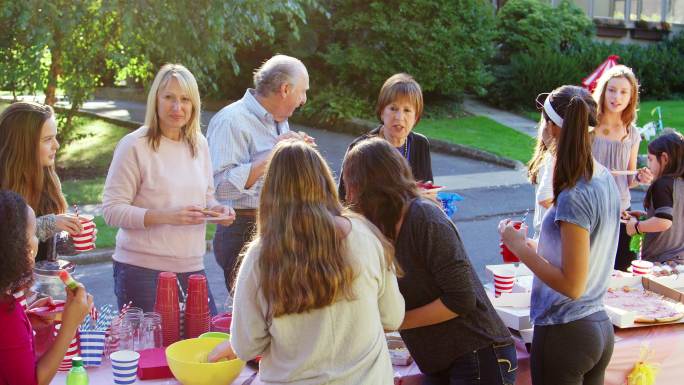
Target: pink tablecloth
<point>667,343</point>
<point>404,375</point>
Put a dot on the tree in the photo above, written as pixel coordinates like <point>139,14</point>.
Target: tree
<point>445,44</point>
<point>72,44</point>
<point>203,34</point>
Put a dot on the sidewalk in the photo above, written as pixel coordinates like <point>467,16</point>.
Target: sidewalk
<point>516,122</point>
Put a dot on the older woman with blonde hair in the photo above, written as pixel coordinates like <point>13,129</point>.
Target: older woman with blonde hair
<point>317,285</point>
<point>158,190</point>
<point>399,108</point>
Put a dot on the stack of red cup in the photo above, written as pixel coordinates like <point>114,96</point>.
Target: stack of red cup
<point>197,315</point>
<point>167,306</point>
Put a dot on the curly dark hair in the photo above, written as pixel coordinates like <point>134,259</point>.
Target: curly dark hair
<point>15,266</point>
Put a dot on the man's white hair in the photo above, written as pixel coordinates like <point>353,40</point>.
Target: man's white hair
<point>275,71</point>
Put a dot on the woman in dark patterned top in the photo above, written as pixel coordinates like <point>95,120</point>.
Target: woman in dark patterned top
<point>399,107</point>
<point>450,327</point>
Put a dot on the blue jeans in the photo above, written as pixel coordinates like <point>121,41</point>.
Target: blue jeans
<point>139,285</point>
<point>228,243</point>
<point>493,365</point>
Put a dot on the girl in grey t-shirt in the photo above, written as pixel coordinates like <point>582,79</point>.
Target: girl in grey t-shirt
<point>574,258</point>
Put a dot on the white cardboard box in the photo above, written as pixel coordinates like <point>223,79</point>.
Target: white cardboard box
<point>625,319</point>
<point>515,318</point>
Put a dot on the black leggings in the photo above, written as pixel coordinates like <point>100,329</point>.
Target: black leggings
<point>574,353</point>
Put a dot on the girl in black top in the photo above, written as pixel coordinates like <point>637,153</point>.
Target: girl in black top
<point>664,202</point>
<point>450,326</point>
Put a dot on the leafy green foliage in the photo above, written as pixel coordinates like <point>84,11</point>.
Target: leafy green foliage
<point>203,35</point>
<point>526,26</point>
<point>444,44</point>
<point>333,104</point>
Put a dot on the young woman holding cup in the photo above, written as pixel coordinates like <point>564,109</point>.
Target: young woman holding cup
<point>28,145</point>
<point>18,364</point>
<point>574,257</point>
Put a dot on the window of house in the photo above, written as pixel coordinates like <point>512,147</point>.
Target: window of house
<point>611,9</point>
<point>675,14</point>
<point>648,10</point>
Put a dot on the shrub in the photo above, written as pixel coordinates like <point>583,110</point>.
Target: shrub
<point>444,44</point>
<point>333,104</point>
<point>530,26</point>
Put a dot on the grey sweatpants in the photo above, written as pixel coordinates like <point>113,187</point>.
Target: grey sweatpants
<point>575,353</point>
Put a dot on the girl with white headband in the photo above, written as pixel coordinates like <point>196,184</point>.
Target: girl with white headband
<point>571,262</point>
<point>616,143</point>
<point>540,167</point>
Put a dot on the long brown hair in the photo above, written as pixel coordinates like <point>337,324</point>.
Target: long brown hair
<point>629,114</point>
<point>190,131</point>
<point>301,253</point>
<point>20,168</point>
<point>379,183</point>
<point>574,159</point>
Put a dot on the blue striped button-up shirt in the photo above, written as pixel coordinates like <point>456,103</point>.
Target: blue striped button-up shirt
<point>238,134</point>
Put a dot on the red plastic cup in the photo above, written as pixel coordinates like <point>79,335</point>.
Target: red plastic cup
<point>221,323</point>
<point>167,306</point>
<point>198,295</point>
<point>508,256</point>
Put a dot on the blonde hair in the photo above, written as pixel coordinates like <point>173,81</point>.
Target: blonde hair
<point>400,86</point>
<point>20,168</point>
<point>619,71</point>
<point>301,259</point>
<point>187,81</point>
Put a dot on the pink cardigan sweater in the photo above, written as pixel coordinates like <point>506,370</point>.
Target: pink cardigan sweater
<point>169,178</point>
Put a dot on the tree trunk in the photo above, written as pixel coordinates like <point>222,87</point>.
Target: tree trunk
<point>53,75</point>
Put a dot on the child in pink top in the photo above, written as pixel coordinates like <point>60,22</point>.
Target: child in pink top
<point>18,364</point>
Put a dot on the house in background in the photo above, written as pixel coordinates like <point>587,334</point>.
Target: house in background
<point>630,21</point>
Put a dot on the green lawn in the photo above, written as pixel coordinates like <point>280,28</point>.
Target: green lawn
<point>84,191</point>
<point>94,145</point>
<point>480,132</point>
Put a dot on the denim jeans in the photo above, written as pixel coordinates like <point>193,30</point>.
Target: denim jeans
<point>493,365</point>
<point>228,243</point>
<point>139,285</point>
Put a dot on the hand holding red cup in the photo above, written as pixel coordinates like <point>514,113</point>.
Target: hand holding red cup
<point>506,253</point>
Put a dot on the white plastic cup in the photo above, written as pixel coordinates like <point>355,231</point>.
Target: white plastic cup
<point>641,267</point>
<point>125,366</point>
<point>504,280</point>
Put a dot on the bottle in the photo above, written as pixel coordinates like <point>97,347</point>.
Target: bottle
<point>77,375</point>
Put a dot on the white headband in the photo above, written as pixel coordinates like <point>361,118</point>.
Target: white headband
<point>551,113</point>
